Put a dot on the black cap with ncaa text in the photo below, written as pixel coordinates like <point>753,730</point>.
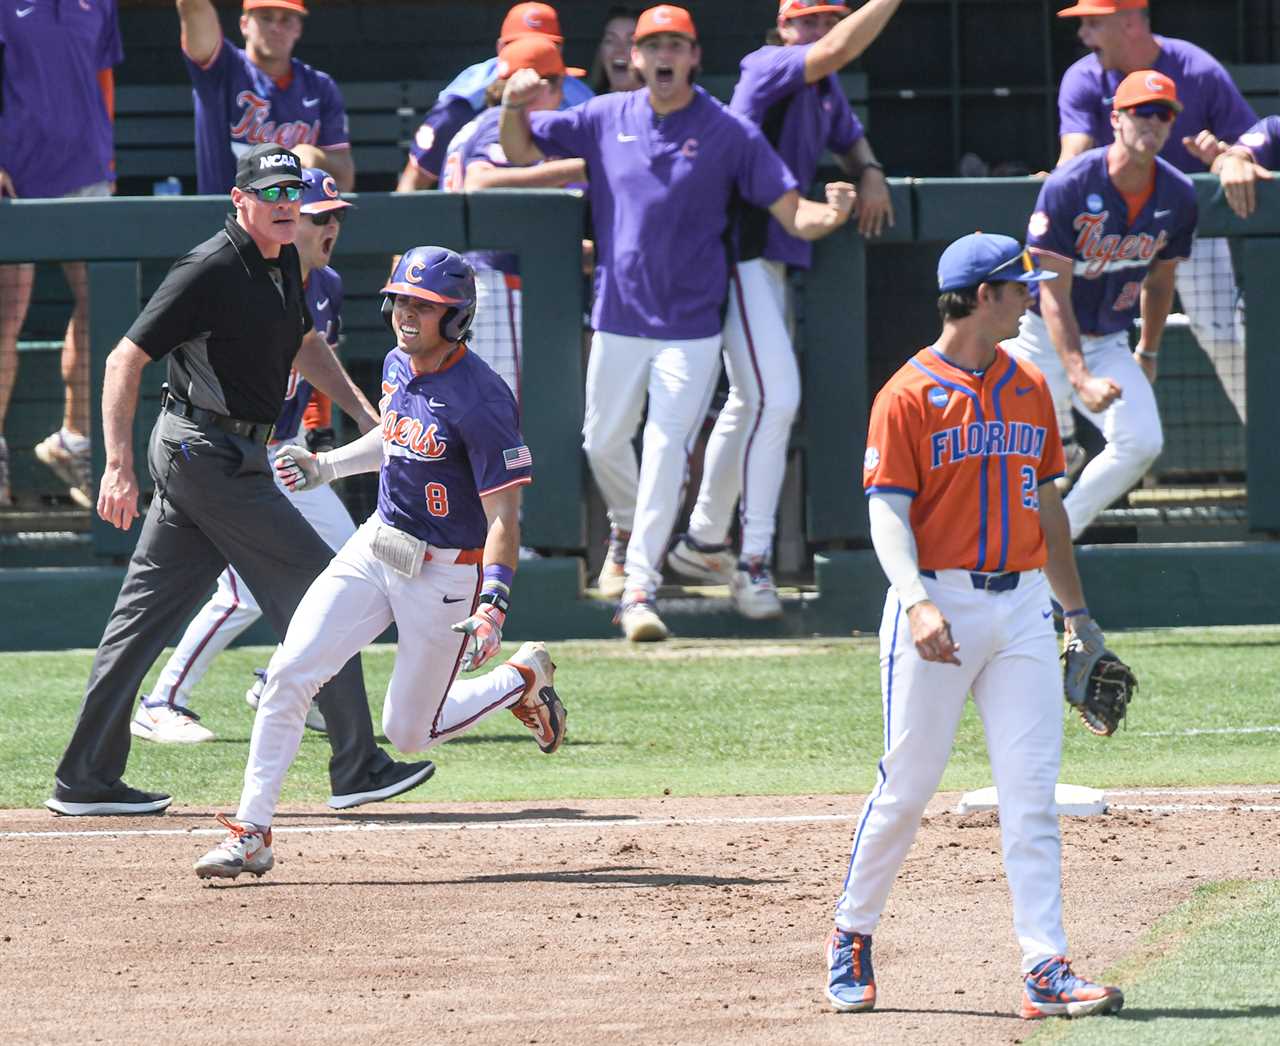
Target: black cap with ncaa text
<point>266,165</point>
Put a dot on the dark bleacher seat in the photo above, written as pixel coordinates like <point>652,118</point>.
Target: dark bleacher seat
<point>1260,85</point>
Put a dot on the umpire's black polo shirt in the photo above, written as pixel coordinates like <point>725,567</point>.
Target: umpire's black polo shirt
<point>229,330</point>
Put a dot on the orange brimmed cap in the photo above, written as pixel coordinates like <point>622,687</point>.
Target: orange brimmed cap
<point>531,20</point>
<point>1145,87</point>
<point>665,18</point>
<point>1101,7</point>
<point>538,53</point>
<point>799,8</point>
<point>298,7</point>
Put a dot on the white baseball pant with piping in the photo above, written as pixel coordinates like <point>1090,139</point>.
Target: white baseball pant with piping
<point>1206,283</point>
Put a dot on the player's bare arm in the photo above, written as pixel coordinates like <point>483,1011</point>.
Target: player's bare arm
<point>513,124</point>
<point>1205,147</point>
<point>553,174</point>
<point>502,510</point>
<point>118,494</point>
<point>1059,317</point>
<point>201,31</point>
<point>6,184</point>
<point>337,161</point>
<point>810,220</point>
<point>1157,300</point>
<point>317,363</point>
<point>1072,145</point>
<point>852,35</point>
<point>1239,174</point>
<point>874,205</point>
<point>414,179</point>
<point>1060,567</point>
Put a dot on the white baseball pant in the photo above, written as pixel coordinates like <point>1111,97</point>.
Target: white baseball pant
<point>1009,660</point>
<point>1206,283</point>
<point>747,452</point>
<point>1131,425</point>
<point>679,378</point>
<point>346,608</point>
<point>495,332</point>
<point>232,608</point>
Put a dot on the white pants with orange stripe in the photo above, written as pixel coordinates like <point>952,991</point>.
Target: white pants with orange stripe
<point>346,608</point>
<point>747,451</point>
<point>495,332</point>
<point>1009,660</point>
<point>678,379</point>
<point>233,607</point>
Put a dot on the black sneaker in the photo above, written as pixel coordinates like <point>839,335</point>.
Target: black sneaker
<point>393,779</point>
<point>120,801</point>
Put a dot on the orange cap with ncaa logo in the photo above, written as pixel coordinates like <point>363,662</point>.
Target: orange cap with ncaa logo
<point>539,53</point>
<point>788,9</point>
<point>1085,8</point>
<point>531,20</point>
<point>665,18</point>
<point>298,7</point>
<point>1144,87</point>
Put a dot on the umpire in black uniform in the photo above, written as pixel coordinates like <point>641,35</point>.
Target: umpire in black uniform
<point>229,318</point>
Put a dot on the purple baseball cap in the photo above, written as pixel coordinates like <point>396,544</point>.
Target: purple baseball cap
<point>320,192</point>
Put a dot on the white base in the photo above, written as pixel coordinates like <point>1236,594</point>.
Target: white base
<point>1072,800</point>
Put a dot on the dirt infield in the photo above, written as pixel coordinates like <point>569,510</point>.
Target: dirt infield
<point>659,921</point>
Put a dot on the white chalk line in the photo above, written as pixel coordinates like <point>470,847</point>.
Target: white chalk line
<point>1202,731</point>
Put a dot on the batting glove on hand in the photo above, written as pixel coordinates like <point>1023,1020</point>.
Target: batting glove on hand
<point>299,469</point>
<point>483,630</point>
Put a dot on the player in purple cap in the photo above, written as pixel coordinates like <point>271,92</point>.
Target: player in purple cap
<point>663,165</point>
<point>1114,224</point>
<point>1119,37</point>
<point>261,93</point>
<point>164,715</point>
<point>57,92</point>
<point>437,557</point>
<point>792,93</point>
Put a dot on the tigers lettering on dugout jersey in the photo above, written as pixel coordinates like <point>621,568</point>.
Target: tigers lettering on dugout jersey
<point>1082,218</point>
<point>448,438</point>
<point>971,450</point>
<point>323,293</point>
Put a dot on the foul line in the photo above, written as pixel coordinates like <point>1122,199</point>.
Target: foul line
<point>1201,731</point>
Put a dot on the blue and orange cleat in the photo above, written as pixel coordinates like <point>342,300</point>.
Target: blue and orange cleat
<point>1052,990</point>
<point>851,984</point>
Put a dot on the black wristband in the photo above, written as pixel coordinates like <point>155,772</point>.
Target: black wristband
<point>496,600</point>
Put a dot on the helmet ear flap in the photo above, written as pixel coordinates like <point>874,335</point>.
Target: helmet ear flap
<point>456,322</point>
<point>388,307</point>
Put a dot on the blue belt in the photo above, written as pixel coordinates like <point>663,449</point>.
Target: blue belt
<point>988,582</point>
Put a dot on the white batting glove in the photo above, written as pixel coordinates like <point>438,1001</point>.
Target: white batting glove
<point>483,630</point>
<point>298,469</point>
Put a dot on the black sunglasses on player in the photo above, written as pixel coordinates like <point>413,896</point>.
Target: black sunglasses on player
<point>1161,112</point>
<point>338,214</point>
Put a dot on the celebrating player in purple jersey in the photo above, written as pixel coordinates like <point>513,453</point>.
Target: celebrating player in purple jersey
<point>260,94</point>
<point>792,93</point>
<point>452,462</point>
<point>1113,223</point>
<point>663,164</point>
<point>56,104</point>
<point>1118,33</point>
<point>1241,166</point>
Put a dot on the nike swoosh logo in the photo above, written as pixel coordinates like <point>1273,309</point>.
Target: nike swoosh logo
<point>627,137</point>
<point>323,303</point>
<point>311,103</point>
<point>435,404</point>
<point>458,600</point>
<point>1023,391</point>
<point>23,14</point>
<point>1162,214</point>
<point>1047,614</point>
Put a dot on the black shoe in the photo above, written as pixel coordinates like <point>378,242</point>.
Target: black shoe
<point>391,780</point>
<point>120,801</point>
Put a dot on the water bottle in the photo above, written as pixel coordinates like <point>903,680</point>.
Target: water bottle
<point>171,186</point>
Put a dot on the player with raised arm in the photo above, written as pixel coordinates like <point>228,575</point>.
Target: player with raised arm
<point>1113,224</point>
<point>663,164</point>
<point>970,531</point>
<point>793,94</point>
<point>437,557</point>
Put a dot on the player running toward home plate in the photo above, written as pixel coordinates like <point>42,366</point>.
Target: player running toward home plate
<point>1113,223</point>
<point>970,530</point>
<point>437,558</point>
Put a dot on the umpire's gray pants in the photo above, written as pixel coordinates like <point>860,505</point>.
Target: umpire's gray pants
<point>215,503</point>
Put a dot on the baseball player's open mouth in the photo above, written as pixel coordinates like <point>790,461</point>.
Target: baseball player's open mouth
<point>409,332</point>
<point>665,74</point>
<point>326,245</point>
<point>618,65</point>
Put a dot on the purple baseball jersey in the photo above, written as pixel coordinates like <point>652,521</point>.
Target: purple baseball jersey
<point>800,120</point>
<point>239,106</point>
<point>660,190</point>
<point>55,135</point>
<point>448,438</point>
<point>323,293</point>
<point>1082,218</point>
<point>1210,100</point>
<point>1263,141</point>
<point>478,141</point>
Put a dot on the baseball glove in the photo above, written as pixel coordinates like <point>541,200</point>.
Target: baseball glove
<point>1096,682</point>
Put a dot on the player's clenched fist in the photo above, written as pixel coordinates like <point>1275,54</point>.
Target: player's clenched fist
<point>483,630</point>
<point>298,469</point>
<point>931,633</point>
<point>841,196</point>
<point>1098,393</point>
<point>522,87</point>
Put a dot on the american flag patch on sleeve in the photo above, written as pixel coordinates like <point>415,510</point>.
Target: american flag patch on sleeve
<point>517,458</point>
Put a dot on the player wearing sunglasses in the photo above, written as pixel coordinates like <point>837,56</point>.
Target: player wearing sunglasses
<point>1113,224</point>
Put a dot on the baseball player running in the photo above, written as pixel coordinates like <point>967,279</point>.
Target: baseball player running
<point>663,164</point>
<point>970,530</point>
<point>1118,33</point>
<point>792,93</point>
<point>451,463</point>
<point>165,714</point>
<point>260,94</point>
<point>1113,224</point>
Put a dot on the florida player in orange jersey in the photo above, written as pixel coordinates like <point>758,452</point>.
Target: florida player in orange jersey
<point>969,528</point>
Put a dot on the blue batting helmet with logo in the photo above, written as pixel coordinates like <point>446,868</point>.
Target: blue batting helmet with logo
<point>435,274</point>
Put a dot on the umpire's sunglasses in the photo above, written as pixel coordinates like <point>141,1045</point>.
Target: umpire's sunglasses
<point>272,194</point>
<point>1163,113</point>
<point>338,214</point>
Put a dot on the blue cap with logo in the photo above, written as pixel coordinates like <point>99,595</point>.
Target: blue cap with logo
<point>987,258</point>
<point>320,192</point>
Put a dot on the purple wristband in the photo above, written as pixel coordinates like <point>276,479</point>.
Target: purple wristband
<point>1082,612</point>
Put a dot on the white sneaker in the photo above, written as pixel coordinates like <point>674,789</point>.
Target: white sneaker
<point>540,708</point>
<point>168,724</point>
<point>613,575</point>
<point>708,564</point>
<point>640,621</point>
<point>315,718</point>
<point>245,849</point>
<point>754,593</point>
<point>73,467</point>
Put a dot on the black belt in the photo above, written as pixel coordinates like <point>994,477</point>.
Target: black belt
<point>255,431</point>
<point>988,582</point>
